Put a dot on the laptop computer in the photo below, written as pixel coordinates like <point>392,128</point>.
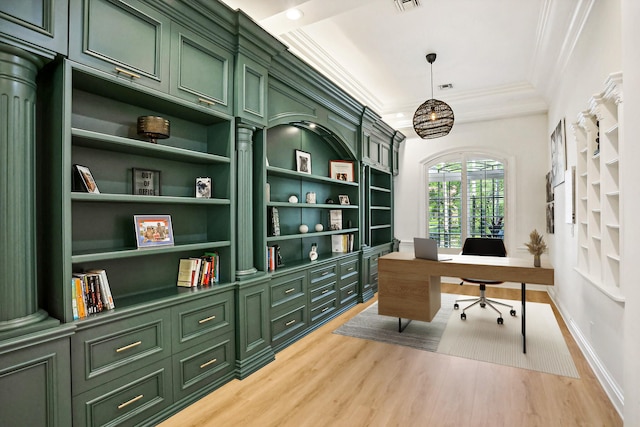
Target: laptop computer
<point>426,249</point>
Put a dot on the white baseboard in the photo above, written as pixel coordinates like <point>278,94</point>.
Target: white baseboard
<point>613,390</point>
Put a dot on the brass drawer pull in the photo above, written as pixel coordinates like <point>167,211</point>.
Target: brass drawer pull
<point>290,322</point>
<point>325,309</point>
<point>204,365</point>
<point>324,273</point>
<point>127,73</point>
<point>288,291</point>
<point>206,101</point>
<point>127,347</point>
<point>350,292</point>
<point>324,291</point>
<point>135,399</point>
<point>206,320</point>
<point>350,269</point>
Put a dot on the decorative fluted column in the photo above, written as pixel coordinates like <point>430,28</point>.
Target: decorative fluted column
<point>244,200</point>
<point>18,261</point>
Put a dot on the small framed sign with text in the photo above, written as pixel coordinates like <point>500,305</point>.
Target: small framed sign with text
<point>146,182</point>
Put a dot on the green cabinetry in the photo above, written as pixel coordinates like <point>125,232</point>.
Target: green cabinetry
<point>308,296</point>
<point>37,26</point>
<point>323,291</point>
<point>288,305</point>
<point>240,108</point>
<point>285,181</point>
<point>101,234</point>
<point>35,379</point>
<point>131,368</point>
<point>370,269</point>
<point>379,207</point>
<point>201,71</point>
<point>125,38</point>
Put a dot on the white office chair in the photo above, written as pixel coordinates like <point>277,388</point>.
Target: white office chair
<point>483,246</point>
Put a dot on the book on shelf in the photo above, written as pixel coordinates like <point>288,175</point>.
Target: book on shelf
<point>335,219</point>
<point>91,293</point>
<point>105,289</point>
<point>274,221</point>
<point>342,243</point>
<point>185,268</point>
<point>199,271</point>
<point>74,301</point>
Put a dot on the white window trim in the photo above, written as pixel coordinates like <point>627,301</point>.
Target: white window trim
<point>464,154</point>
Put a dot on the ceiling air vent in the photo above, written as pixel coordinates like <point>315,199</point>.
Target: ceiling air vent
<point>404,5</point>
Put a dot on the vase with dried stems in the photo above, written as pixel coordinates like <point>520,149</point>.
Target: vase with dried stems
<point>536,246</point>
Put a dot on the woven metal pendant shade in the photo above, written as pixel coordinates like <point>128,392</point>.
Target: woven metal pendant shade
<point>434,118</point>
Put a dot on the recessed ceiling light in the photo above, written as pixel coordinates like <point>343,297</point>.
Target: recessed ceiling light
<point>294,14</point>
<point>446,86</point>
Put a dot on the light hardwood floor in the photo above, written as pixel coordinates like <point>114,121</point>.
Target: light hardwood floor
<point>326,379</point>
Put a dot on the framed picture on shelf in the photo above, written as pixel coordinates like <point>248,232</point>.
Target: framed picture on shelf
<point>84,181</point>
<point>153,230</point>
<point>344,199</point>
<point>203,188</point>
<point>146,182</point>
<point>341,170</point>
<point>303,161</point>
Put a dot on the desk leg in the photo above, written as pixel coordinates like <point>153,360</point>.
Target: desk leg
<point>400,327</point>
<point>524,318</point>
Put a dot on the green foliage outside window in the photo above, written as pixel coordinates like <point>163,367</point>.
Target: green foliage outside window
<point>484,195</point>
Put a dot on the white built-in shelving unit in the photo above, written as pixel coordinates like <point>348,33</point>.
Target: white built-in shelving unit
<point>599,138</point>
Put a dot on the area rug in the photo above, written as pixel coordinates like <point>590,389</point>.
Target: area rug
<point>479,337</point>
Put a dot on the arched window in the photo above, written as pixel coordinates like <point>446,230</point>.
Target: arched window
<point>465,198</point>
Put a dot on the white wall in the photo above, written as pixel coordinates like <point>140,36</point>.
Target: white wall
<point>594,319</point>
<point>630,176</point>
<point>522,141</point>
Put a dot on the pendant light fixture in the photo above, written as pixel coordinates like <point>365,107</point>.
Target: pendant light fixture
<point>434,118</point>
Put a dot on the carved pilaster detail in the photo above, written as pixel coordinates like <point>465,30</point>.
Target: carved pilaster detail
<point>18,262</point>
<point>244,200</point>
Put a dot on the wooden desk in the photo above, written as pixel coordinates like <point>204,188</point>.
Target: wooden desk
<point>409,288</point>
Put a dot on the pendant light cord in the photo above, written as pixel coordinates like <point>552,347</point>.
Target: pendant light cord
<point>431,80</point>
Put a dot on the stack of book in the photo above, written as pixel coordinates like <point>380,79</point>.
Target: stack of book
<point>202,271</point>
<point>91,293</point>
<point>342,243</point>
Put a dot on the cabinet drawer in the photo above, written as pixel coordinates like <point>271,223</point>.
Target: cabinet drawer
<point>287,289</point>
<point>287,324</point>
<point>126,401</point>
<point>349,268</point>
<point>348,292</point>
<point>373,261</point>
<point>321,293</point>
<point>105,352</point>
<point>201,365</point>
<point>199,320</point>
<point>321,274</point>
<point>200,70</point>
<point>323,310</point>
<point>135,50</point>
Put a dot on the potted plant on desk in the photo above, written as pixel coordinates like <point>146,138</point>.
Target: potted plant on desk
<point>536,246</point>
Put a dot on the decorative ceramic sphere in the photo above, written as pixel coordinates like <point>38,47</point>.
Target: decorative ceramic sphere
<point>319,227</point>
<point>293,199</point>
<point>303,228</point>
